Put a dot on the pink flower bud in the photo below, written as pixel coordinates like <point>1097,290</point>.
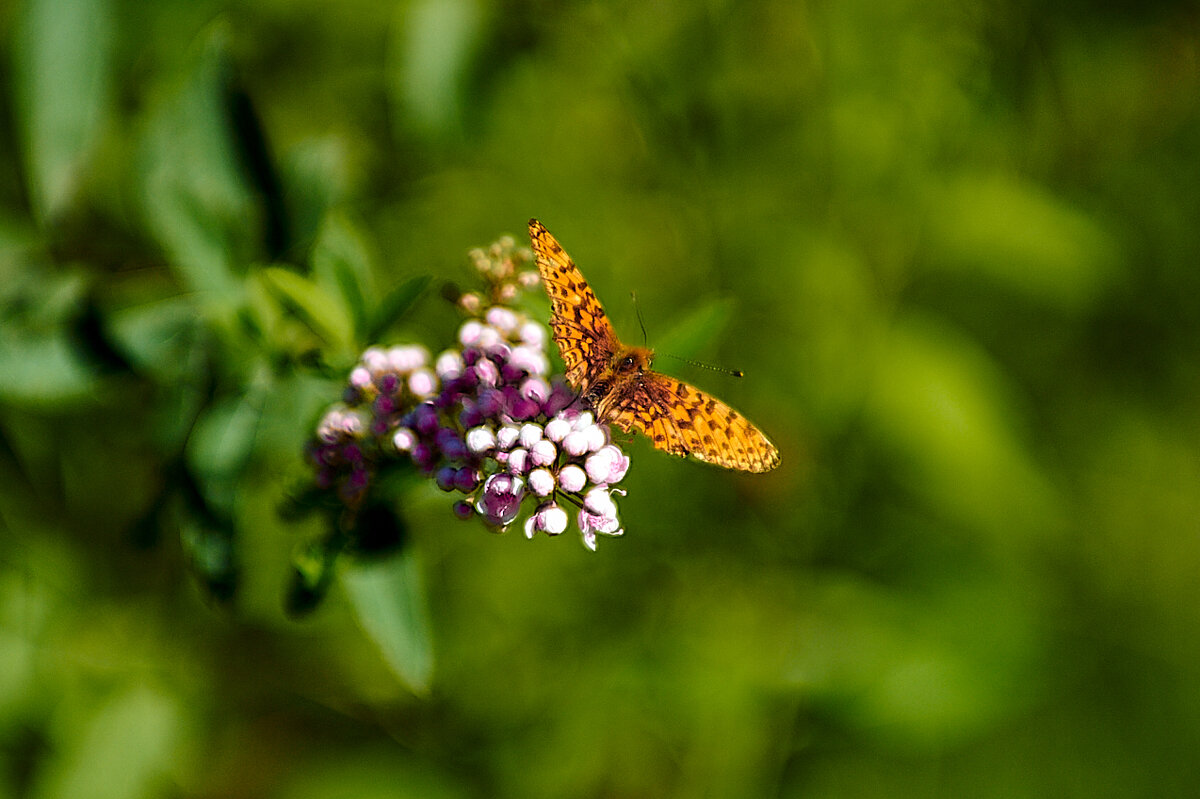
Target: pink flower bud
<point>543,453</point>
<point>572,479</point>
<point>541,482</point>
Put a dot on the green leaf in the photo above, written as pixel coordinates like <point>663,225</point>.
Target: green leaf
<point>40,362</point>
<point>342,264</point>
<point>322,311</point>
<point>197,202</point>
<point>63,83</point>
<point>692,334</point>
<point>396,304</point>
<point>223,440</point>
<point>159,337</point>
<point>312,575</point>
<point>210,545</point>
<point>42,368</point>
<point>388,598</point>
<point>317,176</point>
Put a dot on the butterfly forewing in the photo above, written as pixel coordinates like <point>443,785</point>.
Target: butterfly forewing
<point>677,417</point>
<point>585,338</point>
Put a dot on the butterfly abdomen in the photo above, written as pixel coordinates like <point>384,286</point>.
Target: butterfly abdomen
<point>596,392</point>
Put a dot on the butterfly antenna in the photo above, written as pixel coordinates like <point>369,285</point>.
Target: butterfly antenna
<point>637,310</point>
<point>703,365</point>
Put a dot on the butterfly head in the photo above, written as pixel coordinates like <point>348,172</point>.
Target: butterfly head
<point>631,361</point>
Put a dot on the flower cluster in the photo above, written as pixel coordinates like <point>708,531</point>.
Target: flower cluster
<point>483,419</point>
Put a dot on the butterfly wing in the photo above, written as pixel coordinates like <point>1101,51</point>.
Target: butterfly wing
<point>683,420</point>
<point>585,337</point>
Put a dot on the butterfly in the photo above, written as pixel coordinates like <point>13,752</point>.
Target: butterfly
<point>616,382</point>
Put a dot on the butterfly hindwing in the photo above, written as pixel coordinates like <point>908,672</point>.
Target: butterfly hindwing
<point>683,420</point>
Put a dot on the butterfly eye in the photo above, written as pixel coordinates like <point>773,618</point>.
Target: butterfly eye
<point>627,363</point>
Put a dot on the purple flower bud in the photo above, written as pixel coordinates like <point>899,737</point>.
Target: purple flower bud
<point>491,402</point>
<point>425,419</point>
<point>541,482</point>
<point>449,395</point>
<point>572,479</point>
<point>470,416</point>
<point>384,405</point>
<point>445,478</point>
<point>354,486</point>
<point>561,396</point>
<point>352,453</point>
<point>389,383</point>
<point>465,479</point>
<point>607,465</point>
<point>323,478</point>
<point>524,408</point>
<point>422,454</point>
<point>543,453</point>
<point>463,510</point>
<point>451,445</point>
<point>511,373</point>
<point>471,357</point>
<point>330,455</point>
<point>500,500</point>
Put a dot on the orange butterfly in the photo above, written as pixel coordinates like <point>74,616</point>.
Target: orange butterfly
<point>616,382</point>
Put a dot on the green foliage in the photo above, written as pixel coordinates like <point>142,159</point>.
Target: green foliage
<point>953,249</point>
<point>388,598</point>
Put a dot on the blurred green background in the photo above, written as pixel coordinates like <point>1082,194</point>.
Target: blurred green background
<point>954,248</point>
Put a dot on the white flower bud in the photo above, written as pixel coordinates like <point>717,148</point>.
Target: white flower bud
<point>571,478</point>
